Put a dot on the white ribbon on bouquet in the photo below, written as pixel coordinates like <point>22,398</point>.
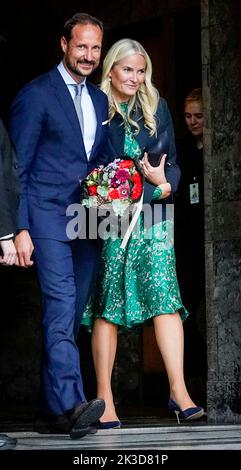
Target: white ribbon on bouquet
<point>133,222</point>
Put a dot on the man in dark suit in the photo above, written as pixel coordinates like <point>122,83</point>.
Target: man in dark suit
<point>9,199</point>
<point>59,141</point>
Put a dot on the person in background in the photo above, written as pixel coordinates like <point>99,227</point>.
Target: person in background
<point>59,127</point>
<point>189,232</point>
<point>9,200</point>
<point>139,282</point>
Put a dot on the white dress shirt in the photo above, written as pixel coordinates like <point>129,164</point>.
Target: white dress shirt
<point>7,237</point>
<point>90,121</point>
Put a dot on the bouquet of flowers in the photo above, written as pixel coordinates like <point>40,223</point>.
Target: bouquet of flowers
<point>119,184</point>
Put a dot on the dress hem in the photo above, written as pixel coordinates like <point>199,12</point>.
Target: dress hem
<point>181,310</point>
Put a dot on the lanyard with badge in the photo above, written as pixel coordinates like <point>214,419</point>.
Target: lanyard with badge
<point>194,191</point>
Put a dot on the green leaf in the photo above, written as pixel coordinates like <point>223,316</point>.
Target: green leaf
<point>102,191</point>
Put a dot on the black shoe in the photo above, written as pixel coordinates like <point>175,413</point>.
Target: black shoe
<point>6,442</point>
<point>48,424</point>
<point>84,415</point>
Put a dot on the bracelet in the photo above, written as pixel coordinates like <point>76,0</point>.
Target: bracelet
<point>157,194</point>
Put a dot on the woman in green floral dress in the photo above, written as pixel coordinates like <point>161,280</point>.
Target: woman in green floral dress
<point>139,282</point>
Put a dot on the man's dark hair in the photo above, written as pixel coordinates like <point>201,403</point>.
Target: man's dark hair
<point>80,18</point>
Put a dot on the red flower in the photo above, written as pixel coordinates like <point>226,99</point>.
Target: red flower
<point>126,164</point>
<point>136,192</point>
<point>114,194</point>
<point>136,178</point>
<point>92,190</point>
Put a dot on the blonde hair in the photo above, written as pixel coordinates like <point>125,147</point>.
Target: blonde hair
<point>194,95</point>
<point>146,97</point>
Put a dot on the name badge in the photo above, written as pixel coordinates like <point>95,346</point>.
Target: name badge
<point>194,193</point>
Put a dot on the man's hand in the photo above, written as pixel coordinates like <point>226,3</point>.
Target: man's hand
<point>24,247</point>
<point>9,252</point>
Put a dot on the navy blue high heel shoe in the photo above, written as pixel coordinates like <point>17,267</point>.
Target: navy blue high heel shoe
<point>109,425</point>
<point>188,414</point>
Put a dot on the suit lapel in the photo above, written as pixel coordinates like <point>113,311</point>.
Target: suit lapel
<point>66,102</point>
<point>117,135</point>
<point>143,136</point>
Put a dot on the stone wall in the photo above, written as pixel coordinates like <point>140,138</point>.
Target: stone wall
<point>222,102</point>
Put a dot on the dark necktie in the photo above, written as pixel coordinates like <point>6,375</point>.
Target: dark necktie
<point>78,107</point>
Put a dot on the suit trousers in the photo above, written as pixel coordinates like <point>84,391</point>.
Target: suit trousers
<point>66,272</point>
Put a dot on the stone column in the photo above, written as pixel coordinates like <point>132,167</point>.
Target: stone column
<point>221,52</point>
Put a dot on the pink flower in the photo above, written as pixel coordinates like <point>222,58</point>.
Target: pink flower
<point>114,182</point>
<point>124,191</point>
<point>122,175</point>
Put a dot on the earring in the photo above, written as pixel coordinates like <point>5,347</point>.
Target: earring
<point>109,78</point>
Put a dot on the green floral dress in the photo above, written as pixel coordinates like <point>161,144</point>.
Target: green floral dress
<point>139,282</point>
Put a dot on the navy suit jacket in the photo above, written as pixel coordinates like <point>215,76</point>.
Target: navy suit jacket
<point>9,189</point>
<point>51,153</point>
<point>146,142</point>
